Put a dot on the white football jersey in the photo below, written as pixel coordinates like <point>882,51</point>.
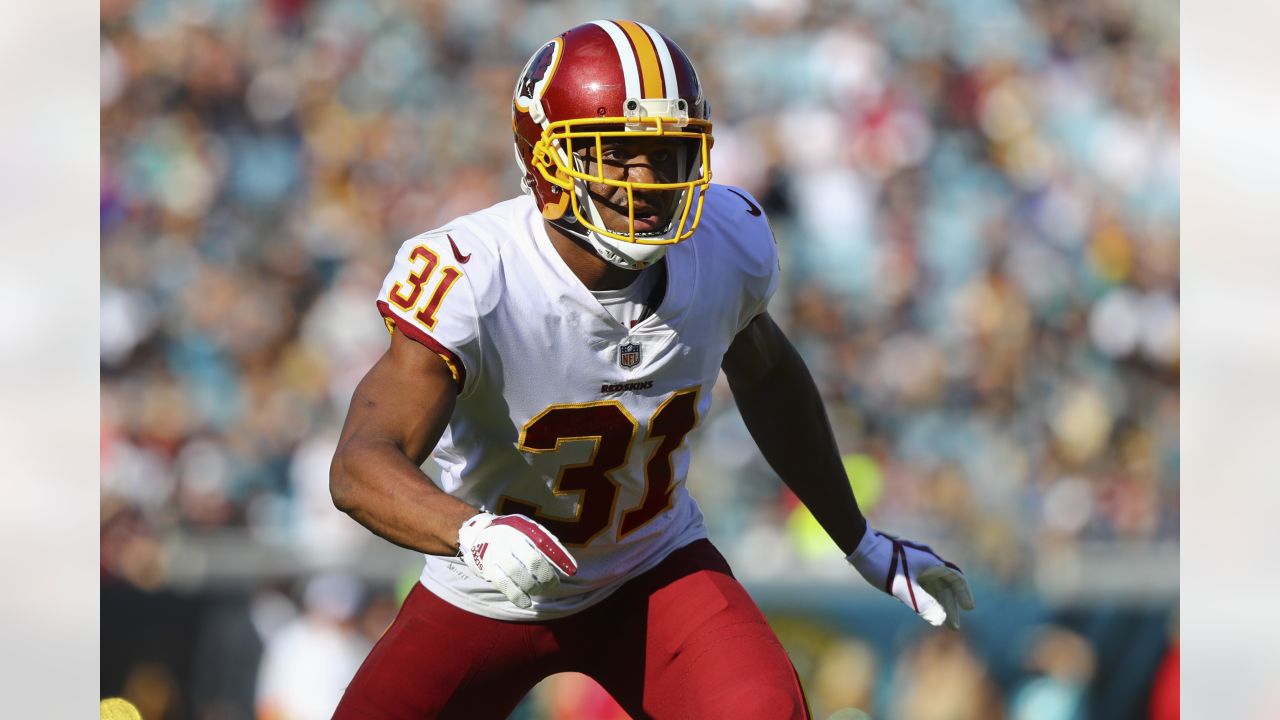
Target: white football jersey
<point>563,414</point>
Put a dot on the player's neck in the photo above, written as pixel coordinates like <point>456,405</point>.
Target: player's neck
<point>594,271</point>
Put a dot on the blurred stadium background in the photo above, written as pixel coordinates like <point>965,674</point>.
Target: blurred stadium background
<point>977,205</point>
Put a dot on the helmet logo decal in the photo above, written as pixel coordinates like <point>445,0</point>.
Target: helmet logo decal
<point>536,75</point>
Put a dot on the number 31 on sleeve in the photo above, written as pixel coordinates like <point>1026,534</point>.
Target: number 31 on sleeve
<point>407,295</point>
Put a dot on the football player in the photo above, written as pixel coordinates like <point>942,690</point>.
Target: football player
<point>551,354</point>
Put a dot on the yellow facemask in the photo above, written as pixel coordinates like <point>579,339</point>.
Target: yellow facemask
<point>554,152</point>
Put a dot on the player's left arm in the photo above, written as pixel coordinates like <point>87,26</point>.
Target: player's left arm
<point>783,411</point>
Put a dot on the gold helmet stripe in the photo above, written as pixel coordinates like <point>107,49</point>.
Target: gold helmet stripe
<point>626,57</point>
<point>671,83</point>
<point>647,56</point>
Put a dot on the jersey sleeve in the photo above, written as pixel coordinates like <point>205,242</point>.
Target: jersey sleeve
<point>758,254</point>
<point>430,298</point>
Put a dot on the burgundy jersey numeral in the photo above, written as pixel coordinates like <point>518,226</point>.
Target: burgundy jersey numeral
<point>673,420</point>
<point>407,298</point>
<point>427,315</point>
<point>416,278</point>
<point>613,430</point>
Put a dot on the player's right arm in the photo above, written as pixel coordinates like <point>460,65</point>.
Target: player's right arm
<point>401,409</point>
<point>397,415</point>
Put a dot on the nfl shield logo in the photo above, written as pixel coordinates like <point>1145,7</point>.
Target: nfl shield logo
<point>629,354</point>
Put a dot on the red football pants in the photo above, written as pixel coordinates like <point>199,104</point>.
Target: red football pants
<point>683,640</point>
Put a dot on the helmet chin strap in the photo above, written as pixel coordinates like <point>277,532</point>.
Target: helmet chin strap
<point>569,226</point>
<point>612,251</point>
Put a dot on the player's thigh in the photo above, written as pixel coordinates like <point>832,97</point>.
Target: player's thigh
<point>713,655</point>
<point>438,661</point>
<point>707,650</point>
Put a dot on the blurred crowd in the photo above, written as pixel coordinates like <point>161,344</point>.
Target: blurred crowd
<point>976,203</point>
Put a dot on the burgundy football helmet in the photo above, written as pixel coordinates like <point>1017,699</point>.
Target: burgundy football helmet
<point>609,79</point>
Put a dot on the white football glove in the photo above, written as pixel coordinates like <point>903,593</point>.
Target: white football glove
<point>515,554</point>
<point>916,575</point>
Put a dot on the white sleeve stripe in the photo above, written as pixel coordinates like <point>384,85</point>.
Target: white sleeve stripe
<point>626,57</point>
<point>671,82</point>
